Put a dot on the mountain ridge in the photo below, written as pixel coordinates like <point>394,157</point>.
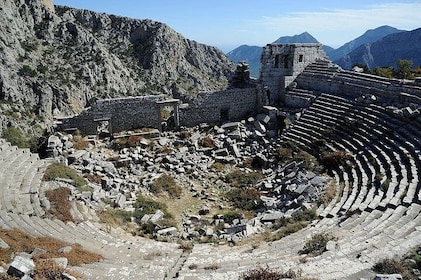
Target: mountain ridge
<point>386,51</point>
<point>369,36</point>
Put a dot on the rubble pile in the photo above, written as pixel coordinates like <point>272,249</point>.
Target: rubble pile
<point>189,156</point>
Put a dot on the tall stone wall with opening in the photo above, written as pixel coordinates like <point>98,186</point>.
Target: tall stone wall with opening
<point>136,112</point>
<point>226,105</point>
<point>282,63</point>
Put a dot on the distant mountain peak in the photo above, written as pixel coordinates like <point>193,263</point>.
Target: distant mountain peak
<point>302,38</point>
<point>370,36</point>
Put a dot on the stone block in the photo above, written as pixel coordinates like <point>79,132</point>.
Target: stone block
<point>21,266</point>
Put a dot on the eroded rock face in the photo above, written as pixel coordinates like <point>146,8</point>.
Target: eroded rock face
<point>61,60</point>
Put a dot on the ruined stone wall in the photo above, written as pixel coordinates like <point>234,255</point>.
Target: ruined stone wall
<point>219,106</point>
<point>123,113</point>
<point>130,113</point>
<point>282,63</point>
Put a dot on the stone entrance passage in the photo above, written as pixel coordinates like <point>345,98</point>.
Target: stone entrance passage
<point>104,126</point>
<point>175,116</point>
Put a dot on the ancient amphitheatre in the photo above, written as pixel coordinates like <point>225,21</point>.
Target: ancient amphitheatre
<point>374,214</point>
<point>372,118</point>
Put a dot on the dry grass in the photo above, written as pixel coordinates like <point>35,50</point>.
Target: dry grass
<point>213,266</point>
<point>329,193</point>
<point>152,256</point>
<point>186,246</point>
<point>47,269</point>
<point>60,204</point>
<point>20,241</point>
<point>186,202</point>
<point>80,143</point>
<point>115,217</point>
<point>168,184</point>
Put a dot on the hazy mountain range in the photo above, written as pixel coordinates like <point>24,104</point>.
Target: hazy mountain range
<point>381,46</point>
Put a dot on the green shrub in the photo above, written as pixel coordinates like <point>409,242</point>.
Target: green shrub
<point>287,229</point>
<point>166,183</point>
<point>18,138</point>
<point>307,215</point>
<point>27,70</point>
<point>239,178</point>
<point>283,154</point>
<point>308,161</point>
<point>231,216</point>
<point>147,206</point>
<point>245,198</point>
<point>335,159</point>
<point>296,222</point>
<point>317,244</point>
<point>388,266</point>
<point>59,170</point>
<point>266,273</point>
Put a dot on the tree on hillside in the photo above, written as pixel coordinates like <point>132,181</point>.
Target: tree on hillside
<point>417,71</point>
<point>386,72</point>
<point>404,69</point>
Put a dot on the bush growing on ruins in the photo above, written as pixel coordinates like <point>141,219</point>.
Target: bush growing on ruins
<point>283,154</point>
<point>127,142</point>
<point>266,273</point>
<point>218,166</point>
<point>245,198</point>
<point>166,183</point>
<point>27,70</point>
<point>17,137</point>
<point>388,266</point>
<point>230,216</point>
<point>317,244</point>
<point>309,162</point>
<point>329,193</point>
<point>335,159</point>
<point>148,206</point>
<point>238,178</point>
<point>287,226</point>
<point>144,206</point>
<point>59,170</point>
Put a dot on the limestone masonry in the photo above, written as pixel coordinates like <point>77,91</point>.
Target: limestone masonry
<point>284,66</point>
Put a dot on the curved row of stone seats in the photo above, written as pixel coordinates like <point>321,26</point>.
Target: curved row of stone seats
<point>361,141</point>
<point>363,239</point>
<point>127,258</point>
<point>326,77</point>
<point>20,177</point>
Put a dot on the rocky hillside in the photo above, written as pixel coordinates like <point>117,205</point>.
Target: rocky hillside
<point>386,51</point>
<point>56,60</point>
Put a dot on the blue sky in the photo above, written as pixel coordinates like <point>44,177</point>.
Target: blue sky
<point>231,23</point>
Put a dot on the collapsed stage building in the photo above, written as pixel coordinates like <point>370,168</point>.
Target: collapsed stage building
<point>283,70</point>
